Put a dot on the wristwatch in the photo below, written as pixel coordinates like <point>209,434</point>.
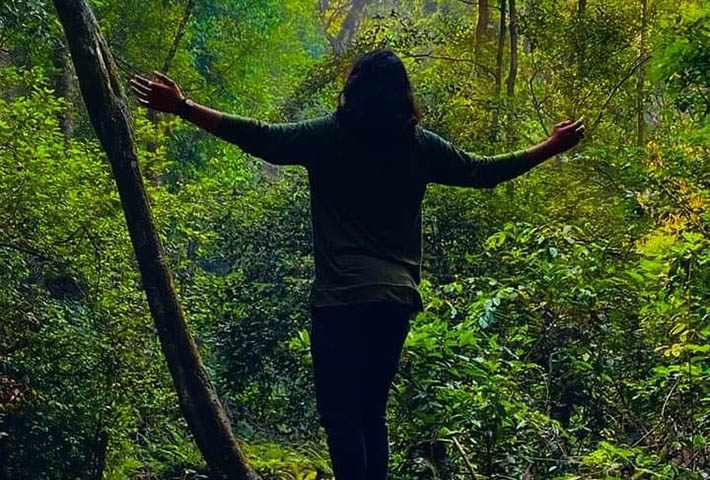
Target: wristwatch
<point>184,107</point>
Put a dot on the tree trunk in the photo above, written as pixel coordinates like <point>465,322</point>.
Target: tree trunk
<point>350,24</point>
<point>63,83</point>
<point>581,46</point>
<point>510,82</point>
<point>513,71</point>
<point>99,448</point>
<point>101,88</point>
<point>641,78</point>
<point>481,26</point>
<point>499,65</point>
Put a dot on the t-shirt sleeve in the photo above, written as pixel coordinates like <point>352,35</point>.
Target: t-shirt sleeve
<point>449,165</point>
<point>277,143</point>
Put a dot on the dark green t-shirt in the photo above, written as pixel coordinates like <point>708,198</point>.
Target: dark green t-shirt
<point>366,198</point>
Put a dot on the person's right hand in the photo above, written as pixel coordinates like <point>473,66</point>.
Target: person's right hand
<point>566,135</point>
<point>163,94</point>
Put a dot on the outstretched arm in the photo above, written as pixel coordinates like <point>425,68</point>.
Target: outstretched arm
<point>453,166</point>
<point>283,144</point>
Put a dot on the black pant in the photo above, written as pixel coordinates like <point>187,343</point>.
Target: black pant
<point>356,350</point>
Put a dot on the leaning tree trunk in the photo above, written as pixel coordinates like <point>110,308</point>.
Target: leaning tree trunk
<point>101,88</point>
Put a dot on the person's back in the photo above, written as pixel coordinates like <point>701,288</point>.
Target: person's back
<point>366,197</point>
<point>368,167</point>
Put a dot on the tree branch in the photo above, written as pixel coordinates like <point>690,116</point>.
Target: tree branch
<point>178,36</point>
<point>639,63</point>
<point>487,69</point>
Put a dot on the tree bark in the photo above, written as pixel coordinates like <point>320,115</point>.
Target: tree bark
<point>499,64</point>
<point>63,83</point>
<point>510,82</point>
<point>101,89</point>
<point>641,78</point>
<point>581,46</point>
<point>350,24</point>
<point>514,40</point>
<point>99,449</point>
<point>348,29</point>
<point>481,26</point>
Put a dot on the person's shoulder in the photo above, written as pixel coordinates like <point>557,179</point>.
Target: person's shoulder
<point>428,139</point>
<point>321,122</point>
<point>319,127</point>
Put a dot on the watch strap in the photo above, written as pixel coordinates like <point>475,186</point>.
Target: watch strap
<point>183,107</point>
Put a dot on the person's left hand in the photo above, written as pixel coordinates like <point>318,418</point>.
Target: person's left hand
<point>566,135</point>
<point>163,94</point>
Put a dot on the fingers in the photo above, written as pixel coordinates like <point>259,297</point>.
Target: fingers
<point>575,125</point>
<point>139,88</point>
<point>164,78</point>
<point>142,80</point>
<point>142,88</point>
<point>569,124</point>
<point>141,95</point>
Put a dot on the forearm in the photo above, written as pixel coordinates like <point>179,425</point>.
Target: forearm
<point>542,151</point>
<point>453,166</point>
<point>204,117</point>
<point>279,144</point>
<point>500,168</point>
<point>252,136</point>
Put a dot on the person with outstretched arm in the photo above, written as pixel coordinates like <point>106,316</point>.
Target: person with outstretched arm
<point>368,165</point>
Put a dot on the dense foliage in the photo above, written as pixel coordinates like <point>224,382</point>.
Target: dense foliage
<point>567,320</point>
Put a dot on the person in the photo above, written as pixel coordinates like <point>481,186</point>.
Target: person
<point>368,165</point>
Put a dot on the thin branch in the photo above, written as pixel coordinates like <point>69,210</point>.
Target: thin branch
<point>178,36</point>
<point>458,446</point>
<point>663,413</point>
<point>537,104</point>
<point>28,251</point>
<point>489,6</point>
<point>534,98</point>
<point>639,63</point>
<point>487,69</point>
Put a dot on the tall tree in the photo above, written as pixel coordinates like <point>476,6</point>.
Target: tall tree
<point>482,25</point>
<point>581,46</point>
<point>350,24</point>
<point>348,28</point>
<point>514,40</point>
<point>499,63</point>
<point>63,83</point>
<point>101,89</point>
<point>641,76</point>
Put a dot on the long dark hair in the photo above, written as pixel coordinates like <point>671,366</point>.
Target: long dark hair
<point>377,96</point>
